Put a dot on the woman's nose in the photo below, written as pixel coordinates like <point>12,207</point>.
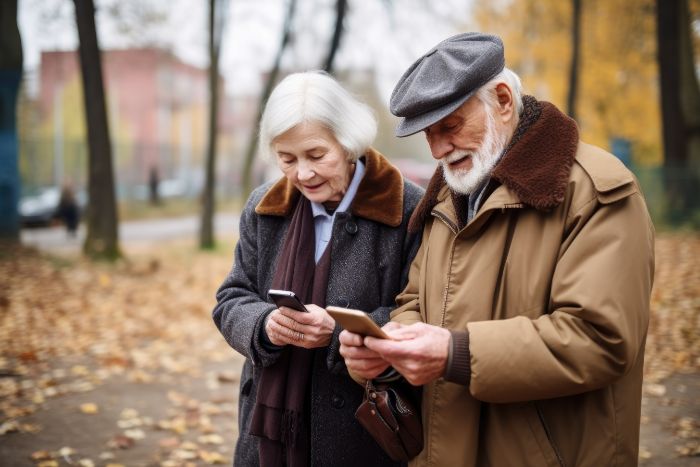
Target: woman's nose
<point>305,171</point>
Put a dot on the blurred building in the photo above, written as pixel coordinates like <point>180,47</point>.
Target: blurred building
<point>157,111</point>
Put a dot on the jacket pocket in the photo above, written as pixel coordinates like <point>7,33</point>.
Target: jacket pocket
<point>543,435</point>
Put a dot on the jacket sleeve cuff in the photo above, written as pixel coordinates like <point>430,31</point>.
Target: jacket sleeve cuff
<point>458,369</point>
<point>264,338</point>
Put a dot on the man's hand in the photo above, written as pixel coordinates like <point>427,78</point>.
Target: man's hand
<point>360,360</point>
<point>419,351</point>
<point>309,330</point>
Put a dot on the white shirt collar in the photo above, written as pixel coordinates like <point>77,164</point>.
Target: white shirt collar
<point>319,210</point>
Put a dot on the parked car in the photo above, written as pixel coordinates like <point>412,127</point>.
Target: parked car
<point>38,207</point>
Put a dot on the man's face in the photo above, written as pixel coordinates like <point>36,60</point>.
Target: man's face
<point>467,143</point>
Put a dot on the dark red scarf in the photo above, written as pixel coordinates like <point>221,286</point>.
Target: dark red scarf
<point>281,413</point>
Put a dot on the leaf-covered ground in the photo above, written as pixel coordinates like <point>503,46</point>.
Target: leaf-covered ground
<point>108,365</point>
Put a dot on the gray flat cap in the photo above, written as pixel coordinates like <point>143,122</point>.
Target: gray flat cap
<point>443,79</point>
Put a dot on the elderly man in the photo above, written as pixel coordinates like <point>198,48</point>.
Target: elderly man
<point>527,306</point>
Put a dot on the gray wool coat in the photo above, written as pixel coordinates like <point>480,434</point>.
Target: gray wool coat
<point>370,257</point>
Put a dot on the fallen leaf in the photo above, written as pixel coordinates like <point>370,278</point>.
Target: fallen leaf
<point>644,453</point>
<point>189,446</point>
<point>211,439</point>
<point>657,390</point>
<point>212,458</point>
<point>129,413</point>
<point>32,428</point>
<point>80,370</point>
<point>89,408</point>
<point>228,377</point>
<point>41,455</point>
<point>121,442</point>
<point>9,426</point>
<point>135,434</point>
<point>182,454</point>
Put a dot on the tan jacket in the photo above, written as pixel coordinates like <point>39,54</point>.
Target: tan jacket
<point>552,279</point>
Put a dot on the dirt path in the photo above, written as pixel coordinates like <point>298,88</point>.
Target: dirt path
<point>172,420</point>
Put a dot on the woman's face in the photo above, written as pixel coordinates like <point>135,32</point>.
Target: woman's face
<point>313,160</point>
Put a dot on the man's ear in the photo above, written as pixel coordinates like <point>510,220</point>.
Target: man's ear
<point>506,103</point>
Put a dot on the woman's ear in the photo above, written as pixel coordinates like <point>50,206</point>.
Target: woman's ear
<point>506,103</point>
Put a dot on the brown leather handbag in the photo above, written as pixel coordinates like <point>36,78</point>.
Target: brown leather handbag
<point>389,414</point>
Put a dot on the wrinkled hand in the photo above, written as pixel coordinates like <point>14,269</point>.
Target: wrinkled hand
<point>360,360</point>
<point>308,330</point>
<point>419,351</point>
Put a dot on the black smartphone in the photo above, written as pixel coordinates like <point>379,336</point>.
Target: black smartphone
<point>286,298</point>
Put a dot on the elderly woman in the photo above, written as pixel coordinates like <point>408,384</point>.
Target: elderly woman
<point>333,230</point>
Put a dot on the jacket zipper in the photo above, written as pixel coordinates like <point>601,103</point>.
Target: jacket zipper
<point>453,228</point>
<point>446,220</point>
<point>447,286</point>
<point>549,435</point>
<point>504,256</point>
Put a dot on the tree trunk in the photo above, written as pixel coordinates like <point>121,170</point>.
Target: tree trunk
<point>340,9</point>
<point>102,234</point>
<point>575,54</point>
<point>680,108</point>
<point>206,231</point>
<point>10,78</point>
<point>269,85</point>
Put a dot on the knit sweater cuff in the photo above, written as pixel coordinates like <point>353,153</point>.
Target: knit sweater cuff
<point>458,368</point>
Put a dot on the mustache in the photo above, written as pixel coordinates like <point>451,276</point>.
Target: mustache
<point>456,155</point>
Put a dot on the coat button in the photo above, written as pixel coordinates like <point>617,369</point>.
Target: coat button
<point>337,401</point>
<point>351,227</point>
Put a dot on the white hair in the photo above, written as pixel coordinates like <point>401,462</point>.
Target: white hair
<point>314,96</point>
<point>487,94</point>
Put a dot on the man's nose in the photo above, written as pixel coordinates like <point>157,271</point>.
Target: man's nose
<point>440,146</point>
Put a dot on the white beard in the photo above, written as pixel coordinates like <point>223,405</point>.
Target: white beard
<point>465,181</point>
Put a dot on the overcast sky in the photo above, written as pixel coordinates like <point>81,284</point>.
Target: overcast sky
<point>386,35</point>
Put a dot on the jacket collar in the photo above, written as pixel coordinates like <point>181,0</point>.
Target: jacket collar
<point>535,168</point>
<point>379,197</point>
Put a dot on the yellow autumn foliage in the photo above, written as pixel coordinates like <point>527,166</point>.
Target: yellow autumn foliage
<point>618,94</point>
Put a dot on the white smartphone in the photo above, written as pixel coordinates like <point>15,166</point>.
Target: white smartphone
<point>356,321</point>
<point>286,298</point>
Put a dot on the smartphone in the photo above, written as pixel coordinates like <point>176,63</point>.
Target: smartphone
<point>356,321</point>
<point>286,298</point>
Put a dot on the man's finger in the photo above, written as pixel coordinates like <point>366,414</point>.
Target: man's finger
<point>392,325</point>
<point>386,347</point>
<point>351,339</point>
<point>359,352</point>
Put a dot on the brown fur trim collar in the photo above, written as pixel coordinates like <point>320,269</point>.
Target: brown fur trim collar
<point>379,196</point>
<point>536,167</point>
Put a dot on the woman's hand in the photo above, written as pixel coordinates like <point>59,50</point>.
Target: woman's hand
<point>308,330</point>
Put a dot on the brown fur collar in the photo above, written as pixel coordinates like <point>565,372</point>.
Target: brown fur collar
<point>379,197</point>
<point>536,167</point>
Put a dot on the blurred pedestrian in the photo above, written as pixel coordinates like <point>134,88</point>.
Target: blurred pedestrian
<point>68,210</point>
<point>333,230</point>
<point>153,185</point>
<point>527,307</point>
